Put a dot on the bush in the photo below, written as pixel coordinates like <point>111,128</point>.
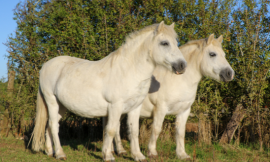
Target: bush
<point>93,29</point>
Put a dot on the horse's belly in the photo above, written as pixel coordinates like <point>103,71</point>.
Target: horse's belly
<point>179,107</point>
<point>89,106</point>
<point>89,111</point>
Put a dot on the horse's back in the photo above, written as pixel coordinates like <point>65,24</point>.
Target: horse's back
<point>52,70</point>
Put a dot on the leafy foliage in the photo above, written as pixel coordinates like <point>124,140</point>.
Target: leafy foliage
<point>93,29</point>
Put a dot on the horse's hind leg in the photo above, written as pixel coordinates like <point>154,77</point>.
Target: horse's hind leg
<point>49,143</point>
<point>54,117</point>
<point>49,139</point>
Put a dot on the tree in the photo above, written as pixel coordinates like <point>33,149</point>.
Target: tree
<point>93,29</point>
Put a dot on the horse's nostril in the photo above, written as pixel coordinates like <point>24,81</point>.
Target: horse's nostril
<point>229,74</point>
<point>179,67</point>
<point>183,65</point>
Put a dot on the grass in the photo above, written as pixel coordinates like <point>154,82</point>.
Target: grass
<point>12,149</point>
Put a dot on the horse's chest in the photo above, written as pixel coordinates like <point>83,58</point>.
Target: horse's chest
<point>180,104</point>
<point>136,95</point>
<point>181,100</point>
<point>179,107</point>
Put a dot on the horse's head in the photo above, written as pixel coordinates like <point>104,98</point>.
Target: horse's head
<point>214,63</point>
<point>165,49</point>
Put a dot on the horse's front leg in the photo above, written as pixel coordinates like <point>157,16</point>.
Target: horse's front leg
<point>159,114</point>
<point>104,124</point>
<point>114,114</point>
<point>133,124</point>
<point>117,139</point>
<point>181,120</point>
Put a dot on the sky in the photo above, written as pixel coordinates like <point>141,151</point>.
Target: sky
<point>7,26</point>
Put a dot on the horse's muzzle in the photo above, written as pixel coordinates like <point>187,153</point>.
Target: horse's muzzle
<point>226,74</point>
<point>179,67</point>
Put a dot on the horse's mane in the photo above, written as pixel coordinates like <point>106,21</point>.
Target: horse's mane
<point>199,43</point>
<point>129,40</point>
<point>191,54</point>
<point>146,29</point>
<point>132,36</point>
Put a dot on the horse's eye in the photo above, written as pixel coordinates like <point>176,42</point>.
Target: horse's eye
<point>212,54</point>
<point>164,43</point>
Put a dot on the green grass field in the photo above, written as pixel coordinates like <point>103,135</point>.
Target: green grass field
<point>12,149</point>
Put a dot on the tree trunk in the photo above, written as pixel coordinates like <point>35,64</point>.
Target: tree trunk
<point>233,124</point>
<point>6,117</point>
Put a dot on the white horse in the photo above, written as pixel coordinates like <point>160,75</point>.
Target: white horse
<point>109,87</point>
<point>174,94</point>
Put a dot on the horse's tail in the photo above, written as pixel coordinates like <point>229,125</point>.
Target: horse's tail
<point>38,134</point>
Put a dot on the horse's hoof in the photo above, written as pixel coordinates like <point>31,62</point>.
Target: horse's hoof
<point>62,158</point>
<point>186,158</point>
<point>51,155</point>
<point>59,157</point>
<point>122,154</point>
<point>110,161</point>
<point>153,156</point>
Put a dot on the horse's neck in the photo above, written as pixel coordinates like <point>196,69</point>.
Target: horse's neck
<point>133,59</point>
<point>140,62</point>
<point>193,56</point>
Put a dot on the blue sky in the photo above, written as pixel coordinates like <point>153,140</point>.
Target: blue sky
<point>7,26</point>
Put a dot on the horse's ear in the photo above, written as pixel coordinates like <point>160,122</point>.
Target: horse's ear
<point>210,39</point>
<point>220,38</point>
<point>160,26</point>
<point>172,25</point>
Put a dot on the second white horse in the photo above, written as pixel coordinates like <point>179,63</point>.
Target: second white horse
<point>174,94</point>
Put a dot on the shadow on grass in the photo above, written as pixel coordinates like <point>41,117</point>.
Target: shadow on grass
<point>77,134</point>
<point>73,134</point>
<point>95,156</point>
